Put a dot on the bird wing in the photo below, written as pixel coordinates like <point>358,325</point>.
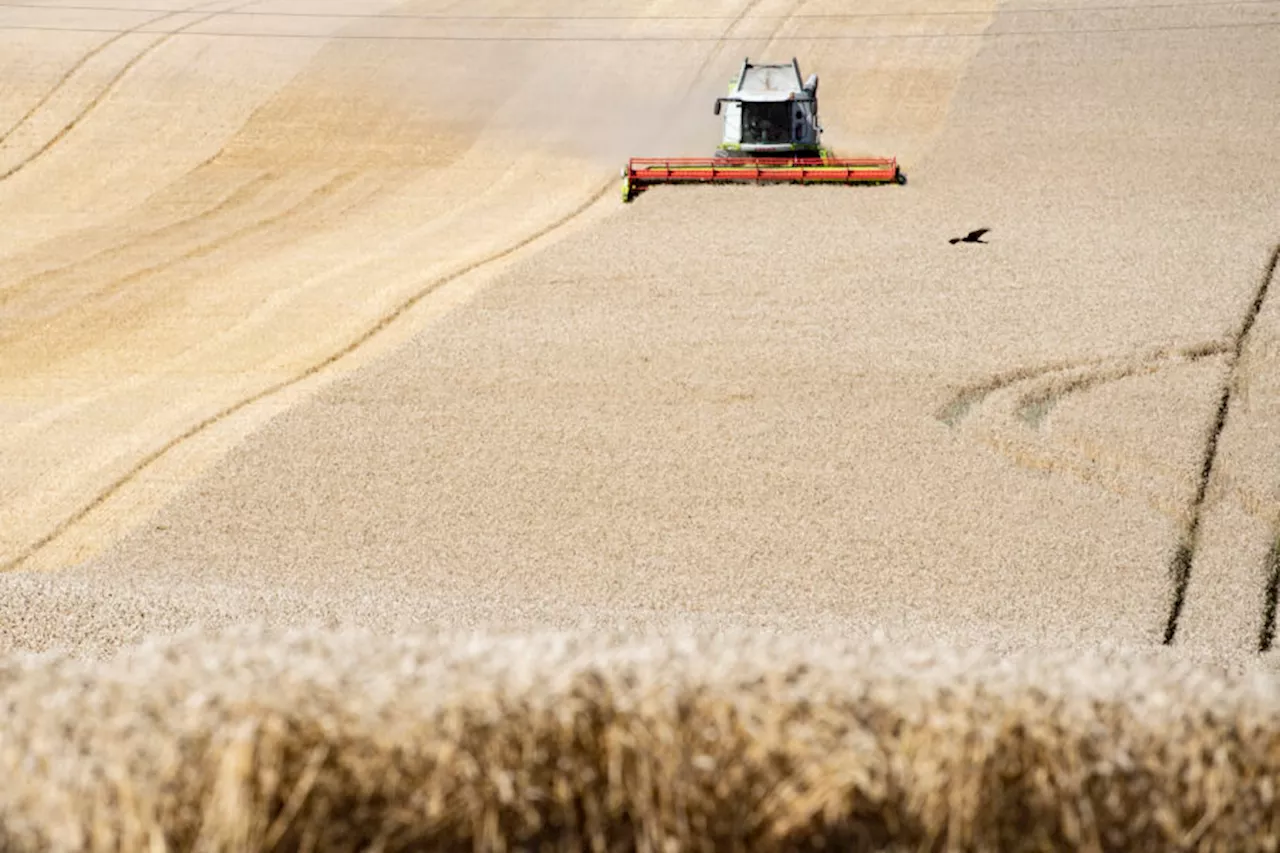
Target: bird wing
<point>976,235</point>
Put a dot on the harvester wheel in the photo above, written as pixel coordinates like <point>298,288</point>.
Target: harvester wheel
<point>901,178</point>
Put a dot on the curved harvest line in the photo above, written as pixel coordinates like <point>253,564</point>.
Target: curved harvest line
<point>326,190</point>
<point>85,59</point>
<point>1034,404</point>
<point>1104,370</point>
<point>243,193</point>
<point>364,337</point>
<point>360,340</point>
<point>108,88</point>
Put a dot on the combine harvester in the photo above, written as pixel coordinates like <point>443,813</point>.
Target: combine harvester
<point>771,135</point>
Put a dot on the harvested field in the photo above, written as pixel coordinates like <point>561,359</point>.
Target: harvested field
<point>325,314</point>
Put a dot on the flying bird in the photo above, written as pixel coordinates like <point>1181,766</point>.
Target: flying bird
<point>971,237</point>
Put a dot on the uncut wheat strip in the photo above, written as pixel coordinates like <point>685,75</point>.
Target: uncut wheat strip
<point>348,739</point>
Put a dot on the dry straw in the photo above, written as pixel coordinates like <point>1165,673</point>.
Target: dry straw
<point>347,741</point>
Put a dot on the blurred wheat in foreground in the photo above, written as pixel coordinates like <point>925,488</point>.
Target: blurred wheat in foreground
<point>347,741</point>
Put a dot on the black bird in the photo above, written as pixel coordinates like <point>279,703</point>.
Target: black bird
<point>971,237</point>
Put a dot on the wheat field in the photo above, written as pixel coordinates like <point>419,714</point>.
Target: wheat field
<point>372,478</point>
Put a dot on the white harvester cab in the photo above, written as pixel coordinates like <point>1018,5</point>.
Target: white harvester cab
<point>770,112</point>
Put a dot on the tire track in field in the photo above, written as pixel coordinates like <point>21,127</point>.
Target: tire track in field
<point>86,59</point>
<point>714,51</point>
<point>1271,565</point>
<point>1051,382</point>
<point>1029,395</point>
<point>318,194</point>
<point>363,337</point>
<point>1267,633</point>
<point>111,85</point>
<point>354,344</point>
<point>325,191</point>
<point>1184,556</point>
<point>242,195</point>
<point>743,15</point>
<point>1033,405</point>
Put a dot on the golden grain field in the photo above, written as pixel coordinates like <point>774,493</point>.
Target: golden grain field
<point>371,477</point>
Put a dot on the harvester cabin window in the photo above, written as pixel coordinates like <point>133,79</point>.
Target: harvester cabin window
<point>766,124</point>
